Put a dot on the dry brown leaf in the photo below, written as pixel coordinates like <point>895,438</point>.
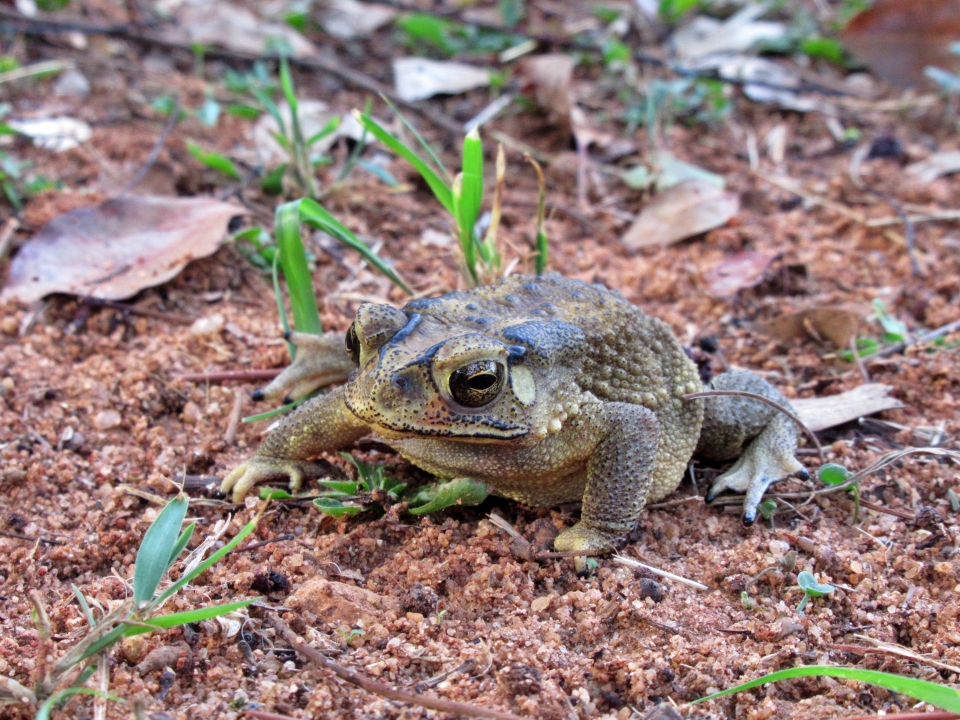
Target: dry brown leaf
<point>686,209</point>
<point>550,78</point>
<point>737,272</point>
<point>899,38</point>
<point>839,325</point>
<point>235,28</point>
<point>117,248</point>
<point>821,413</point>
<point>417,78</point>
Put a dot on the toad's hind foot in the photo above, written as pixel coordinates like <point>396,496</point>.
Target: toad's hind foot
<point>767,459</point>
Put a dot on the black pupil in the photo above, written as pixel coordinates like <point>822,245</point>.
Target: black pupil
<point>484,381</point>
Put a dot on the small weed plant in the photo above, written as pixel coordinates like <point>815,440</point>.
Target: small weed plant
<point>811,589</point>
<point>60,679</point>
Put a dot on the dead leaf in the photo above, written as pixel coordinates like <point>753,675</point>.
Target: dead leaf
<point>688,208</point>
<point>117,248</point>
<point>742,31</point>
<point>738,272</point>
<point>935,166</point>
<point>550,77</point>
<point>416,78</point>
<point>348,19</point>
<point>899,38</point>
<point>56,133</point>
<point>235,28</point>
<point>839,325</point>
<point>821,413</point>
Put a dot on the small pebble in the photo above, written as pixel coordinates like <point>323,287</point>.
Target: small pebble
<point>210,325</point>
<point>191,413</point>
<point>106,419</point>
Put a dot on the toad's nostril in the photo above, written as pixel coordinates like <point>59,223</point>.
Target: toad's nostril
<point>400,382</point>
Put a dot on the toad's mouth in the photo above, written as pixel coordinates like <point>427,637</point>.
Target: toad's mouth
<point>456,426</point>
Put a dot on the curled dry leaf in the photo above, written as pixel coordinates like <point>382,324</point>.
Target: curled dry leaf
<point>686,209</point>
<point>839,325</point>
<point>937,165</point>
<point>920,31</point>
<point>416,78</point>
<point>348,19</point>
<point>117,248</point>
<point>550,78</point>
<point>235,28</point>
<point>820,413</point>
<point>738,272</point>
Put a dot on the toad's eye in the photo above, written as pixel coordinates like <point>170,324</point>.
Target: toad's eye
<point>352,343</point>
<point>476,384</point>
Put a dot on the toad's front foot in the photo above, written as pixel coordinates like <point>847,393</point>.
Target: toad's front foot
<point>588,539</point>
<point>261,468</point>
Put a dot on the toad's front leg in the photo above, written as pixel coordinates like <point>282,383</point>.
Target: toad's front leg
<point>319,425</point>
<point>619,477</point>
<point>320,360</point>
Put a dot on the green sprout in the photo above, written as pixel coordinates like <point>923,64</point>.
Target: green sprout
<point>833,474</point>
<point>811,589</point>
<point>162,545</point>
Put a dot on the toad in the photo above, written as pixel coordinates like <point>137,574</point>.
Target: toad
<point>550,390</point>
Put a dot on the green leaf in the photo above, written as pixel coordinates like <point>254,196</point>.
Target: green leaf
<point>429,29</point>
<point>346,488</point>
<point>335,508</point>
<point>158,542</point>
<point>767,508</point>
<point>315,215</point>
<point>940,696</point>
<point>244,112</point>
<point>181,543</point>
<point>833,474</point>
<point>331,126</point>
<point>440,189</point>
<point>214,160</point>
<point>84,606</point>
<point>163,622</point>
<point>895,330</point>
<point>822,47</point>
<point>462,491</point>
<point>808,583</point>
<point>286,84</point>
<point>272,182</point>
<point>413,131</point>
<point>269,493</point>
<point>673,10</point>
<point>303,301</point>
<point>202,567</point>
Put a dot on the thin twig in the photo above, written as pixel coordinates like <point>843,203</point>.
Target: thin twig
<point>433,703</point>
<point>134,310</point>
<point>28,538</point>
<point>40,68</point>
<point>925,337</point>
<point>230,375</point>
<point>630,562</point>
<point>765,401</point>
<point>859,360</point>
<point>926,217</point>
<point>254,546</point>
<point>230,436</point>
<point>168,127</point>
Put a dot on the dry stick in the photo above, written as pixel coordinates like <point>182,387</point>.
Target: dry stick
<point>168,127</point>
<point>18,23</point>
<point>134,310</point>
<point>18,536</point>
<point>765,401</point>
<point>230,436</point>
<point>859,360</point>
<point>925,337</point>
<point>433,703</point>
<point>230,375</point>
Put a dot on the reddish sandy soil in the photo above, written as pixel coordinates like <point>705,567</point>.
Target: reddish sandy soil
<point>446,590</point>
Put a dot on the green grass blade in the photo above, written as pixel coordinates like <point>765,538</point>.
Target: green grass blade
<point>162,622</point>
<point>213,160</point>
<point>467,246</point>
<point>471,187</point>
<point>286,84</point>
<point>439,187</point>
<point>58,697</point>
<point>155,548</point>
<point>332,124</point>
<point>939,696</point>
<point>271,107</point>
<point>84,606</point>
<point>181,543</point>
<point>315,215</point>
<point>237,539</point>
<point>293,260</point>
<point>281,311</point>
<point>423,143</point>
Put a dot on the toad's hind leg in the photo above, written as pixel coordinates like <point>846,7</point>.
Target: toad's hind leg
<point>765,439</point>
<point>620,473</point>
